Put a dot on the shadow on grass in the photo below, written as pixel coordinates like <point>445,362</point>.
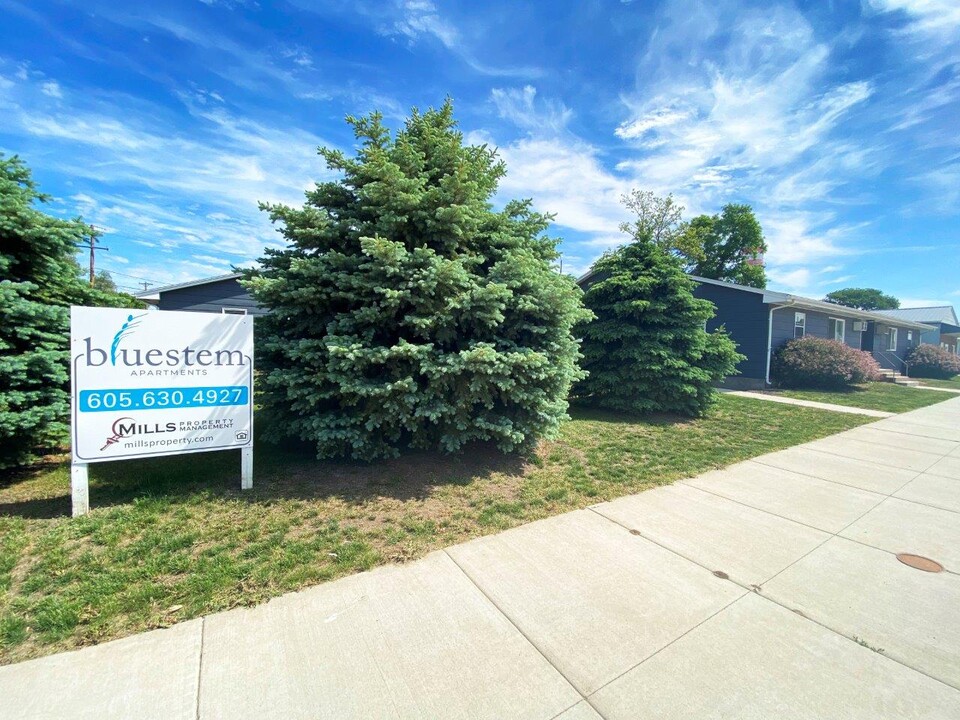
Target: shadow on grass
<point>585,412</point>
<point>280,473</point>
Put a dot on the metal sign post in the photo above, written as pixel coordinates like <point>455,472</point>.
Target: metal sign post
<point>146,384</point>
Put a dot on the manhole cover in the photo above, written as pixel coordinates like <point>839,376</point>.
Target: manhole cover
<point>919,562</point>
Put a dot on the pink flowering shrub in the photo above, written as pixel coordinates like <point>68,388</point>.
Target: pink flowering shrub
<point>813,362</point>
<point>933,362</point>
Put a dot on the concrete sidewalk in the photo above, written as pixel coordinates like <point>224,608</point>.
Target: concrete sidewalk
<point>768,589</point>
<point>782,399</point>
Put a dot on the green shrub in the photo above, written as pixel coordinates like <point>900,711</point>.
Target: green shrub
<point>812,362</point>
<point>930,361</point>
<point>405,312</point>
<point>647,350</point>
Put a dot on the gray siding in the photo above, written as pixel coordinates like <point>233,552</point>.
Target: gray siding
<point>818,325</point>
<point>745,317</point>
<point>892,359</point>
<point>210,297</point>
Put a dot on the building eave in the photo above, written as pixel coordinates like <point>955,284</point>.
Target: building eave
<point>154,293</point>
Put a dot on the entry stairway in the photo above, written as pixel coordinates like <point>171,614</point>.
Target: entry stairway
<point>895,377</point>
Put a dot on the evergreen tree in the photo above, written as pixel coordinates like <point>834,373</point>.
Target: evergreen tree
<point>38,283</point>
<point>647,350</point>
<point>405,312</point>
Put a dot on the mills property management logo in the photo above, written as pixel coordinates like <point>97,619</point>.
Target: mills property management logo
<point>156,361</point>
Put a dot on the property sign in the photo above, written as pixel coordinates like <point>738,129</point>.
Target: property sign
<point>159,383</point>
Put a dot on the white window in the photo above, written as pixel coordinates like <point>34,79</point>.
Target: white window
<point>799,325</point>
<point>909,337</point>
<point>892,339</point>
<point>838,329</point>
<point>233,311</point>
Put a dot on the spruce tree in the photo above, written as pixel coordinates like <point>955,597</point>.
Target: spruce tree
<point>406,311</point>
<point>646,350</point>
<point>38,283</point>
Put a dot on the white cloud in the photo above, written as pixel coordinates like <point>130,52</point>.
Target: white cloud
<point>417,20</point>
<point>149,185</point>
<point>653,120</point>
<point>565,177</point>
<point>795,281</point>
<point>927,15</point>
<point>51,89</point>
<point>519,106</point>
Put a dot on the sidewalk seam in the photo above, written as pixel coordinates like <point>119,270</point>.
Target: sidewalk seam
<point>758,589</point>
<point>203,629</point>
<point>526,637</point>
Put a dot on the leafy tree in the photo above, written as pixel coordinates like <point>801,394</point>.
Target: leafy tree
<point>731,246</point>
<point>660,220</point>
<point>405,311</point>
<point>863,299</point>
<point>104,281</point>
<point>647,349</point>
<point>38,283</point>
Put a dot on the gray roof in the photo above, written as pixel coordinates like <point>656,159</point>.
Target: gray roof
<point>154,293</point>
<point>772,297</point>
<point>933,314</point>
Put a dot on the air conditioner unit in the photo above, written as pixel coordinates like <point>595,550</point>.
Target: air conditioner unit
<point>860,326</point>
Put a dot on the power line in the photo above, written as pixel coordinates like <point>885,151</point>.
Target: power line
<point>132,277</point>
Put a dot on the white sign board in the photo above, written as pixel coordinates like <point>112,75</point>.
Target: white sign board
<point>159,383</point>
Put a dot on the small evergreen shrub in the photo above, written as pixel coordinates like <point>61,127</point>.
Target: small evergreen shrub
<point>646,350</point>
<point>930,361</point>
<point>813,362</point>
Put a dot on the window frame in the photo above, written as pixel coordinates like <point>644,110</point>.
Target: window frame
<point>840,323</point>
<point>893,337</point>
<point>799,321</point>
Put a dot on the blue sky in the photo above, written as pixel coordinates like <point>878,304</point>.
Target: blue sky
<point>165,123</point>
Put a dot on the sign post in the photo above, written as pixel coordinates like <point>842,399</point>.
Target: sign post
<point>146,384</point>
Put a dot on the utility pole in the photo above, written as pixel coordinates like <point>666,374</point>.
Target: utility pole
<point>145,285</point>
<point>93,247</point>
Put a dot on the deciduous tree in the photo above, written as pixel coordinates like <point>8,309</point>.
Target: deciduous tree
<point>731,246</point>
<point>863,299</point>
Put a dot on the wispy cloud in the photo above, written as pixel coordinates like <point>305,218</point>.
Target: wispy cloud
<point>145,184</point>
<point>520,107</point>
<point>417,20</point>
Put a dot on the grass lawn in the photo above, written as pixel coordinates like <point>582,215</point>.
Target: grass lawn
<point>873,396</point>
<point>952,384</point>
<point>173,538</point>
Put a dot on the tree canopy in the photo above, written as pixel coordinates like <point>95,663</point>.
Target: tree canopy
<point>38,283</point>
<point>405,311</point>
<point>731,246</point>
<point>863,299</point>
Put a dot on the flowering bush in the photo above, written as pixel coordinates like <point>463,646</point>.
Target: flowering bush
<point>933,362</point>
<point>819,363</point>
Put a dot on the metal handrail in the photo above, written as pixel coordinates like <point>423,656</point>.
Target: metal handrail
<point>899,360</point>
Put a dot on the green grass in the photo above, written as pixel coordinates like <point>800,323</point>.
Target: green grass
<point>951,384</point>
<point>173,538</point>
<point>873,396</point>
